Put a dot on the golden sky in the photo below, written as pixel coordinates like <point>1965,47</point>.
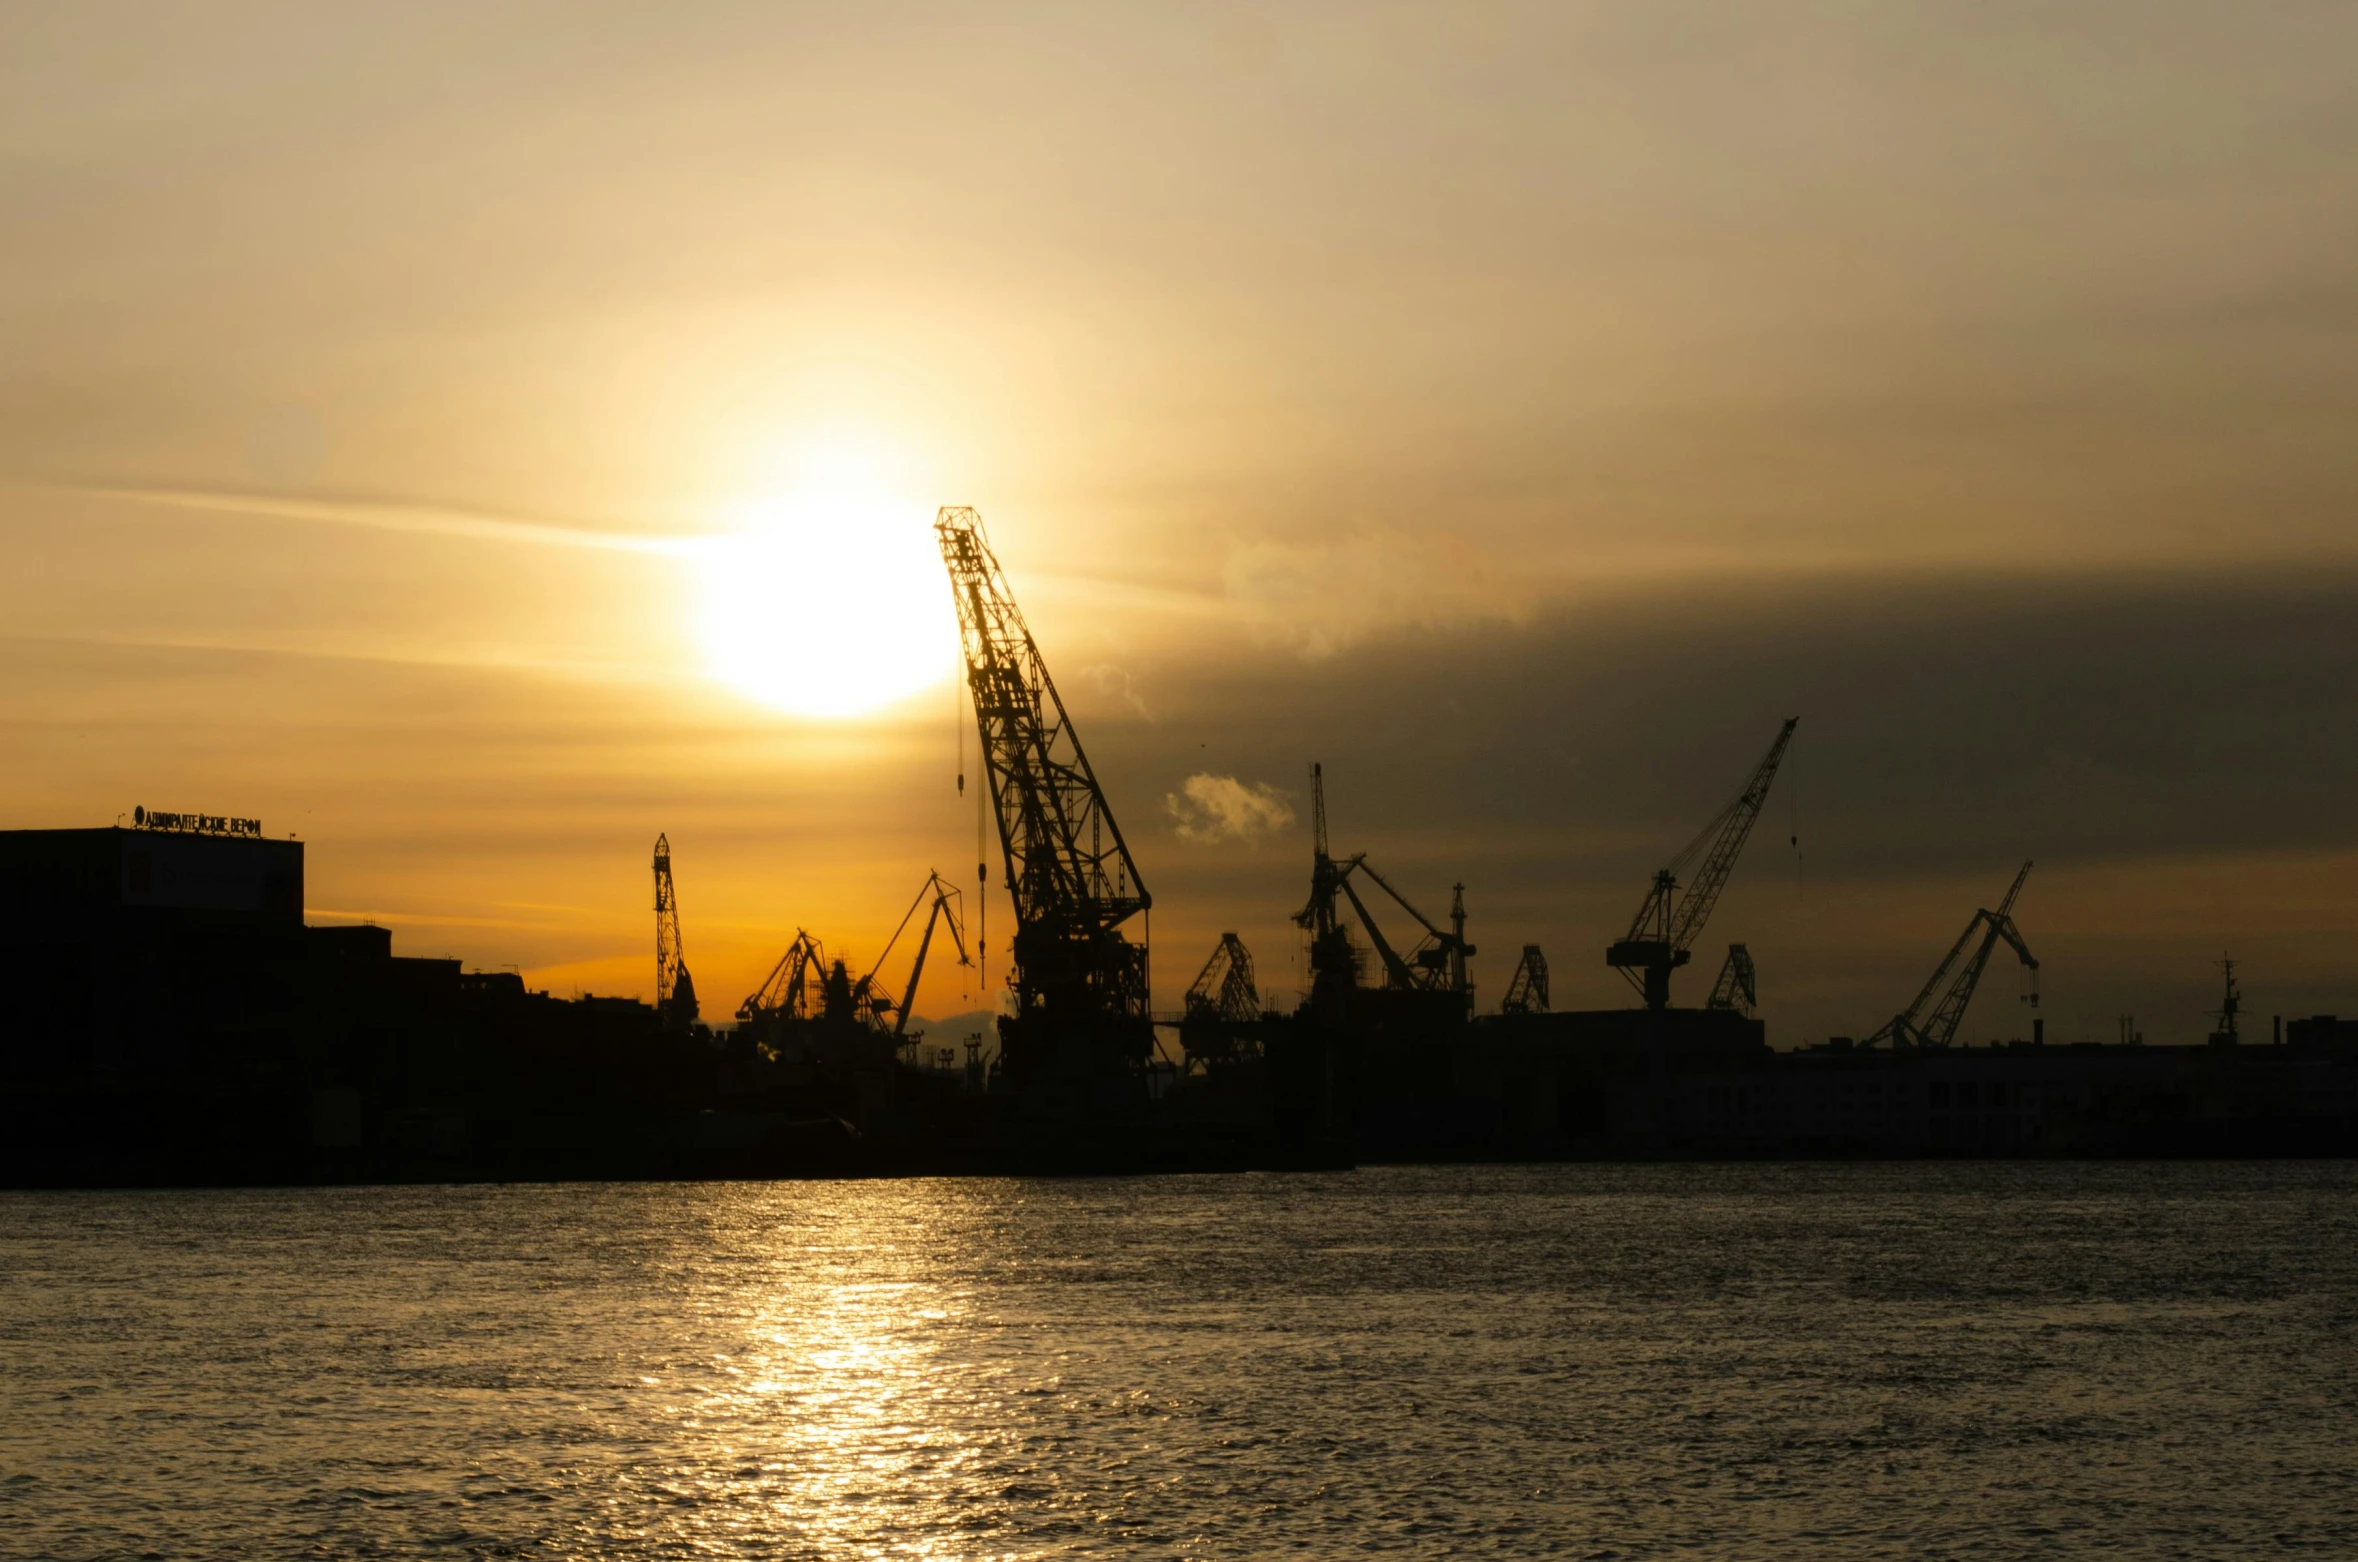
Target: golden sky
<point>477,437</point>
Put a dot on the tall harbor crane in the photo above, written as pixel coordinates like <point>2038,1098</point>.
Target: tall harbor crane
<point>1080,984</point>
<point>1665,928</point>
<point>1738,987</point>
<point>675,989</point>
<point>1527,989</point>
<point>1931,1021</point>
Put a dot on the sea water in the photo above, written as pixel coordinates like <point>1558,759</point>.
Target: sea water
<point>1931,1360</point>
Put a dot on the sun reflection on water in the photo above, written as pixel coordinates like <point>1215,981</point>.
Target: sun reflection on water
<point>841,1394</point>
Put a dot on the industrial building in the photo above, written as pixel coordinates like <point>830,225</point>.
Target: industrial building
<point>179,1022</point>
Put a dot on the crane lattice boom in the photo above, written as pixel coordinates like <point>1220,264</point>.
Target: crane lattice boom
<point>1947,1011</point>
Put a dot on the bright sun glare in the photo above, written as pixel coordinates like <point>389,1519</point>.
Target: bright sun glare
<point>828,599</point>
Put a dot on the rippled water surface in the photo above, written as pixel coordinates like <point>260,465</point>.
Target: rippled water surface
<point>1587,1361</point>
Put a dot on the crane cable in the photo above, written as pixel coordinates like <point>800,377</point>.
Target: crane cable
<point>958,732</point>
<point>982,868</point>
<point>1793,829</point>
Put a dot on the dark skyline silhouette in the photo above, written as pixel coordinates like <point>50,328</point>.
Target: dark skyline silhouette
<point>1512,410</point>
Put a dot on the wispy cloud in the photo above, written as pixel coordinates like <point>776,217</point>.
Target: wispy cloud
<point>1117,683</point>
<point>1209,809</point>
<point>1320,596</point>
<point>419,519</point>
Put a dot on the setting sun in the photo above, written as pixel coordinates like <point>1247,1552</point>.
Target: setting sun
<point>828,599</point>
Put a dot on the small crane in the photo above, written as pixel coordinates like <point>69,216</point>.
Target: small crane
<point>1736,988</point>
<point>1216,1027</point>
<point>1527,989</point>
<point>942,913</point>
<point>1905,1029</point>
<point>2230,1006</point>
<point>1224,989</point>
<point>790,991</point>
<point>1667,925</point>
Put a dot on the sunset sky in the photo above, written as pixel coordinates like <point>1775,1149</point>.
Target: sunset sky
<point>477,438</point>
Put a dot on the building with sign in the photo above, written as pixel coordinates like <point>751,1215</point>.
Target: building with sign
<point>130,950</point>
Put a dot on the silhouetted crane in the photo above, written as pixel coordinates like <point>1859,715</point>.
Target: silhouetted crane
<point>943,913</point>
<point>2229,1032</point>
<point>675,989</point>
<point>1221,1021</point>
<point>1224,989</point>
<point>1527,989</point>
<point>806,985</point>
<point>1736,988</point>
<point>1667,925</point>
<point>1081,994</point>
<point>1939,1027</point>
<point>1437,963</point>
<point>1334,964</point>
<point>792,989</point>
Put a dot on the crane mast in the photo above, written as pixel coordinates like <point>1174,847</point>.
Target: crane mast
<point>2230,1005</point>
<point>1081,990</point>
<point>1662,934</point>
<point>1318,916</point>
<point>675,989</point>
<point>1938,1028</point>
